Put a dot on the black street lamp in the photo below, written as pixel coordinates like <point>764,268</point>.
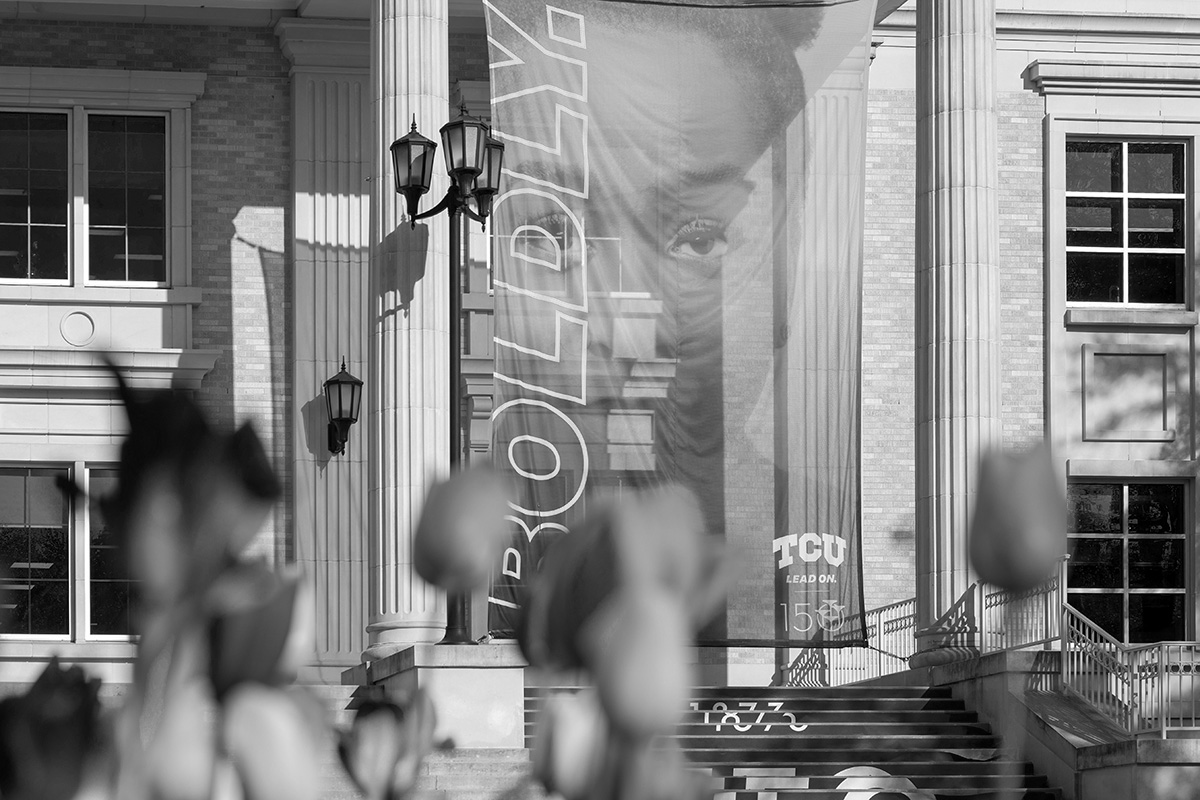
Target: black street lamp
<point>474,160</point>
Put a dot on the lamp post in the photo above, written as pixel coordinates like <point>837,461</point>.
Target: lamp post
<point>473,160</point>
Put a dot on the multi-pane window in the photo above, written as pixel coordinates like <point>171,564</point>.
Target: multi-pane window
<point>35,563</point>
<point>127,183</point>
<point>34,199</point>
<point>1128,565</point>
<point>1126,221</point>
<point>109,589</point>
<point>41,534</point>
<point>124,189</point>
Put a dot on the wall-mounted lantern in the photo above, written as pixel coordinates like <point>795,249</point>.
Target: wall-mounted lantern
<point>343,396</point>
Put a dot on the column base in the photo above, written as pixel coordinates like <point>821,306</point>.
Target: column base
<point>391,635</point>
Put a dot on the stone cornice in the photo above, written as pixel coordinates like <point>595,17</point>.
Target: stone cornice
<point>84,370</point>
<point>100,88</point>
<point>325,45</point>
<point>1048,25</point>
<point>1053,76</point>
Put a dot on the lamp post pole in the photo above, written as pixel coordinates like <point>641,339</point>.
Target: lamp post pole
<point>473,159</point>
<point>458,604</point>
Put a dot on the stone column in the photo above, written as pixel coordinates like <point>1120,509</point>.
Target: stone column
<point>957,305</point>
<point>407,382</point>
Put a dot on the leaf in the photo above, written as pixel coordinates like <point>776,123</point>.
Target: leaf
<point>252,611</point>
<point>272,743</point>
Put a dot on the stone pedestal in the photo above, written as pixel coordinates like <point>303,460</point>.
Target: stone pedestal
<point>407,383</point>
<point>479,692</point>
<point>958,402</point>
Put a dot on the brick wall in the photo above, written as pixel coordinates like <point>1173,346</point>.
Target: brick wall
<point>888,362</point>
<point>468,57</point>
<point>1022,258</point>
<point>241,179</point>
<point>888,306</point>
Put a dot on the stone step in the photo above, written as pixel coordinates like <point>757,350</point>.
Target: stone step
<point>909,769</point>
<point>800,705</point>
<point>783,729</point>
<point>940,794</point>
<point>721,754</point>
<point>949,780</point>
<point>781,693</point>
<point>847,742</point>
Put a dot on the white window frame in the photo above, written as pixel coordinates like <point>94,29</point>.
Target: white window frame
<point>81,92</point>
<point>1059,131</point>
<point>79,577</point>
<point>1186,534</point>
<point>1125,196</point>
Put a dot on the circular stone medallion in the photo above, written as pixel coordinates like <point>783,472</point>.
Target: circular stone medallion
<point>77,328</point>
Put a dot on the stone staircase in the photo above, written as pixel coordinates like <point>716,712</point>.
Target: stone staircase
<point>791,744</point>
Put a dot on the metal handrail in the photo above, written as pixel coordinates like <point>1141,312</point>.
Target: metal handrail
<point>1145,688</point>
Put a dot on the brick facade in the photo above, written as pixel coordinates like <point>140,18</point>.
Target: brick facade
<point>888,492</point>
<point>889,545</point>
<point>241,190</point>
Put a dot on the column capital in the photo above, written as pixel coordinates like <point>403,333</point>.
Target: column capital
<point>325,45</point>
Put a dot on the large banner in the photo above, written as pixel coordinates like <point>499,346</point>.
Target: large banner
<point>677,274</point>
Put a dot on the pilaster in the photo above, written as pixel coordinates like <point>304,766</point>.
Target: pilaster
<point>332,141</point>
<point>407,382</point>
<point>958,401</point>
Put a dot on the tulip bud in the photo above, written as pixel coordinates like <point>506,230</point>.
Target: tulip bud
<point>1016,545</point>
<point>569,749</point>
<point>385,746</point>
<point>48,735</point>
<point>462,530</point>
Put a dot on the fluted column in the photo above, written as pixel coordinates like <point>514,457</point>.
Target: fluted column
<point>409,370</point>
<point>957,302</point>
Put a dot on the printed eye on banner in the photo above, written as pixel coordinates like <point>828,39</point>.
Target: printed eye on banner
<point>654,185</point>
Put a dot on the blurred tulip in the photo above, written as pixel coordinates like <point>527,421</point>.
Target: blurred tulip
<point>662,542</point>
<point>188,499</point>
<point>181,749</point>
<point>385,746</point>
<point>579,572</point>
<point>462,530</point>
<point>48,735</point>
<point>1018,532</point>
<point>658,770</point>
<point>252,617</point>
<point>570,744</point>
<point>272,744</point>
<point>651,543</point>
<point>636,646</point>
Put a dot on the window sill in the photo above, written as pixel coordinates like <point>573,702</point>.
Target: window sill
<point>100,295</point>
<point>1114,468</point>
<point>1130,317</point>
<point>17,650</point>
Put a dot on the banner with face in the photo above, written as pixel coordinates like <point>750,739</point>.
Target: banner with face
<point>677,271</point>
